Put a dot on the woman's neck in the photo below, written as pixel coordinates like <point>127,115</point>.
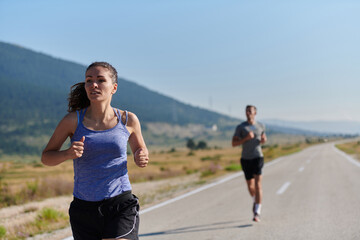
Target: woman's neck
<point>100,112</point>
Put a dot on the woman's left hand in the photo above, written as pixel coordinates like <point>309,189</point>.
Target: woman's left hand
<point>141,157</point>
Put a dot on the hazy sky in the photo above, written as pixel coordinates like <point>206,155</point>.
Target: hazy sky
<point>294,60</point>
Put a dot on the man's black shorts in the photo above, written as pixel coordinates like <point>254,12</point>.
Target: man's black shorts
<point>116,217</point>
<point>252,167</point>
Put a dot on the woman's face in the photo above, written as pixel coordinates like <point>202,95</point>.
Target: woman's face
<point>98,84</point>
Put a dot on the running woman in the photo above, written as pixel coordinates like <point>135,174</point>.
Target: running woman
<point>103,205</point>
<point>251,134</point>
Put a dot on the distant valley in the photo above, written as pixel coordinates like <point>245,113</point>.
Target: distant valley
<point>319,127</point>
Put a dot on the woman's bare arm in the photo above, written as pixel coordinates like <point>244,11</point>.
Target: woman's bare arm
<point>52,155</point>
<point>136,141</point>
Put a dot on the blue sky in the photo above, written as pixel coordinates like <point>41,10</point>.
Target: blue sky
<point>294,60</point>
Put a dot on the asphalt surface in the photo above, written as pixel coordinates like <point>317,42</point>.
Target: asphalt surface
<point>314,194</point>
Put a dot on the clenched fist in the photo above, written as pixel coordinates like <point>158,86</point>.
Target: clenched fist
<point>141,157</point>
<point>251,135</point>
<point>77,148</point>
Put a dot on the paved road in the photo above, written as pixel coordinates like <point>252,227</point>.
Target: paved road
<point>314,194</point>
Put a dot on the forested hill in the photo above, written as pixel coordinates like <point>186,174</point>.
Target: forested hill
<point>35,87</point>
<point>34,90</point>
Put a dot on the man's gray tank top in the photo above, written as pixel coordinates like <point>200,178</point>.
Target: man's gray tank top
<point>101,172</point>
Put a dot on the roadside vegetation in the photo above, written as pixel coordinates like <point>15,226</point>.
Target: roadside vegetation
<point>46,220</point>
<point>22,182</point>
<point>351,148</point>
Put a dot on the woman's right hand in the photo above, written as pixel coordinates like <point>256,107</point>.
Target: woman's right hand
<point>77,149</point>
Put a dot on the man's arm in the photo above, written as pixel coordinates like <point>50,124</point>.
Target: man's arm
<point>263,138</point>
<point>236,141</point>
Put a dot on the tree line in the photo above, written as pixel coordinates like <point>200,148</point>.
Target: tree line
<point>192,145</point>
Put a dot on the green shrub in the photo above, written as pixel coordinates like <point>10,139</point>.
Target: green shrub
<point>47,216</point>
<point>191,171</point>
<point>211,158</point>
<point>32,189</point>
<point>191,153</point>
<point>2,231</point>
<point>207,173</point>
<point>233,167</point>
<point>211,170</point>
<point>201,145</point>
<point>288,147</point>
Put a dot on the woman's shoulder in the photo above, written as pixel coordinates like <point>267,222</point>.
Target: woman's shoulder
<point>71,116</point>
<point>128,117</point>
<point>68,124</point>
<point>132,117</point>
<point>70,119</point>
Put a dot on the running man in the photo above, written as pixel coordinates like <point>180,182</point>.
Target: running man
<point>250,134</point>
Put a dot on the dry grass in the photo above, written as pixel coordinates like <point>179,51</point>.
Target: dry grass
<point>351,148</point>
<point>24,182</point>
<point>46,220</point>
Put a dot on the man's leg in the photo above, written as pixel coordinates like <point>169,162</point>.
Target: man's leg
<point>258,198</point>
<point>258,189</point>
<point>251,187</point>
<point>247,166</point>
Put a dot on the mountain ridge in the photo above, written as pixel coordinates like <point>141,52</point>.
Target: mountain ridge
<point>34,93</point>
<point>40,71</point>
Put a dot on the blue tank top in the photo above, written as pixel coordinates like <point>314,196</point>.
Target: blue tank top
<point>101,172</point>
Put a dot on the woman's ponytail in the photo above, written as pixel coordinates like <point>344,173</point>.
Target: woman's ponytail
<point>78,98</point>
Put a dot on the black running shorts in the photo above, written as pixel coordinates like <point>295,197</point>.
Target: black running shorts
<point>252,167</point>
<point>116,217</point>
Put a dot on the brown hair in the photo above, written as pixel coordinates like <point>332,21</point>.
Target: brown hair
<point>251,106</point>
<point>78,98</point>
<point>108,66</point>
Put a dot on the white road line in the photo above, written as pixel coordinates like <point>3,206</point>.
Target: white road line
<point>273,161</point>
<point>301,169</point>
<point>203,188</point>
<point>350,159</point>
<point>191,193</point>
<point>283,188</point>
